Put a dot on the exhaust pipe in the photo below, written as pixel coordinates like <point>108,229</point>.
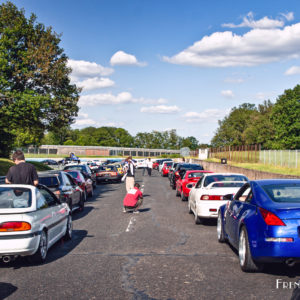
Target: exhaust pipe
<point>290,262</point>
<point>6,259</point>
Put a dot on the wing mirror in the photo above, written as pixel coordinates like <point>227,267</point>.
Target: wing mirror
<point>228,197</point>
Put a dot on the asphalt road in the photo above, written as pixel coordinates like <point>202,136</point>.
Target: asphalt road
<point>157,254</point>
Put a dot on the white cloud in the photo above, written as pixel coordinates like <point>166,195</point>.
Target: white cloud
<point>292,70</point>
<point>227,94</point>
<point>234,80</point>
<point>82,68</point>
<point>95,83</point>
<point>264,23</point>
<point>104,99</point>
<point>152,101</point>
<point>122,58</point>
<point>226,49</point>
<point>208,115</point>
<point>289,16</point>
<point>160,109</point>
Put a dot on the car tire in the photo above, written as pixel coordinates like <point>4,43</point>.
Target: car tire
<point>40,255</point>
<point>69,230</point>
<point>189,208</point>
<point>177,193</point>
<point>247,264</point>
<point>198,220</point>
<point>81,203</point>
<point>91,193</point>
<point>220,229</point>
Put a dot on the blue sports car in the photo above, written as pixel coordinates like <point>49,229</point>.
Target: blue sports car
<point>262,221</point>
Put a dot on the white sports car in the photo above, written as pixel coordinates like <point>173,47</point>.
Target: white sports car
<point>206,196</point>
<point>32,219</point>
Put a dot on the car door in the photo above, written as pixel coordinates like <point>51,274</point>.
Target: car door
<point>193,193</point>
<point>44,215</point>
<point>75,189</point>
<point>235,212</point>
<point>59,213</point>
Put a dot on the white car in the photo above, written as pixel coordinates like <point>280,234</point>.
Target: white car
<point>141,163</point>
<point>32,219</point>
<point>206,196</point>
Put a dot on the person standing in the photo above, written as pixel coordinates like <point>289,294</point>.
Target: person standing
<point>149,166</point>
<point>133,199</point>
<point>21,172</point>
<point>130,172</point>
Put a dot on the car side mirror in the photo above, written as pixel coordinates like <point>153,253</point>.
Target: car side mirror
<point>228,197</point>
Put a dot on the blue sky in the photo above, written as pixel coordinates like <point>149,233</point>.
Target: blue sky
<point>168,64</point>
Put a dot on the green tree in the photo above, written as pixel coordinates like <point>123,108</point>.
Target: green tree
<point>231,129</point>
<point>36,94</point>
<point>286,120</point>
<point>190,142</point>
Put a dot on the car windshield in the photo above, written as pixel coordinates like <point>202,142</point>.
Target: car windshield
<point>288,192</point>
<point>76,167</point>
<point>195,174</point>
<point>50,181</point>
<point>12,197</point>
<point>227,184</point>
<point>73,174</point>
<point>214,178</point>
<point>168,164</point>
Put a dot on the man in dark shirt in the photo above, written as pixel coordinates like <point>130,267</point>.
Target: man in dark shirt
<point>22,172</point>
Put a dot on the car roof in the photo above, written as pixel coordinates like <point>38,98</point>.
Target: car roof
<point>263,182</point>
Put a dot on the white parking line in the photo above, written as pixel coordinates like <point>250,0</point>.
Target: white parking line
<point>130,223</point>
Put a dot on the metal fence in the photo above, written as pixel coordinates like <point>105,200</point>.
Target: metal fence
<point>253,154</point>
<point>283,158</point>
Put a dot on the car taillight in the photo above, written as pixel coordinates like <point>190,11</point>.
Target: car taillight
<point>14,226</point>
<point>177,173</point>
<point>115,174</point>
<point>211,197</point>
<point>270,218</point>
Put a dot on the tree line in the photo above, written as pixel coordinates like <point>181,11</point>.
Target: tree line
<point>119,137</point>
<point>272,125</point>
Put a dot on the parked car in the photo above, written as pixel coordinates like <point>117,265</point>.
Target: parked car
<point>156,164</point>
<point>171,170</point>
<point>141,163</point>
<point>206,196</point>
<point>119,168</point>
<point>32,220</point>
<point>262,223</point>
<point>64,187</point>
<point>179,171</point>
<point>49,162</point>
<point>108,173</point>
<point>161,162</point>
<point>85,170</point>
<point>187,181</point>
<point>92,165</point>
<point>68,160</point>
<point>85,184</point>
<point>166,167</point>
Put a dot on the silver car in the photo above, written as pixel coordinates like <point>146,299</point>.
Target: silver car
<point>32,219</point>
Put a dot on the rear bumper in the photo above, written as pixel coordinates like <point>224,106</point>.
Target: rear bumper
<point>209,209</point>
<point>22,245</point>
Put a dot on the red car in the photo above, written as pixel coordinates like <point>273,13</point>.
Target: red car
<point>188,180</point>
<point>85,185</point>
<point>156,164</point>
<point>165,169</point>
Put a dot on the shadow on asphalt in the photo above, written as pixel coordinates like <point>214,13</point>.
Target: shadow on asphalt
<point>78,214</point>
<point>57,251</point>
<point>6,289</point>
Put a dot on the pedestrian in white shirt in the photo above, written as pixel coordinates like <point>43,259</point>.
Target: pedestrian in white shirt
<point>149,166</point>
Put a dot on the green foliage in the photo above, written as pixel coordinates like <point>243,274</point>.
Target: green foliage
<point>286,120</point>
<point>230,131</point>
<point>36,94</point>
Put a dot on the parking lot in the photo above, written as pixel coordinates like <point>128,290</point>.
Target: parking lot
<point>157,254</point>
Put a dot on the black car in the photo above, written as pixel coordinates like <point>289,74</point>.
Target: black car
<point>49,162</point>
<point>180,170</point>
<point>64,187</point>
<point>85,170</point>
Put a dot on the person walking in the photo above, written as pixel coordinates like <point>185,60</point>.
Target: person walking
<point>133,199</point>
<point>149,166</point>
<point>21,172</point>
<point>130,172</point>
